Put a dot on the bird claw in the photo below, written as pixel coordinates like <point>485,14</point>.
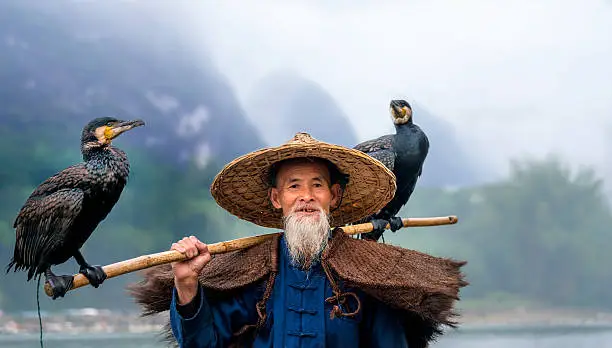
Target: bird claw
<point>60,285</point>
<point>377,232</point>
<point>396,223</point>
<point>95,275</point>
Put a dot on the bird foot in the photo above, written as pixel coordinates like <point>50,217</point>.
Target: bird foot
<point>377,232</point>
<point>396,223</point>
<point>60,285</point>
<point>95,275</point>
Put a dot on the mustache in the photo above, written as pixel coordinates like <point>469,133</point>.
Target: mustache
<point>306,207</point>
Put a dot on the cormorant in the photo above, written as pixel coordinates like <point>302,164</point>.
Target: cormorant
<point>63,211</point>
<point>404,154</point>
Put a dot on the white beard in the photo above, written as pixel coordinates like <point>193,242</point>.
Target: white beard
<point>306,237</point>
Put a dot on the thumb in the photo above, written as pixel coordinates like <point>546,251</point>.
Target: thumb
<point>199,262</point>
<point>202,248</point>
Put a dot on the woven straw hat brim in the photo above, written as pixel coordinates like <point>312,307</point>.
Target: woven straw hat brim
<point>242,186</point>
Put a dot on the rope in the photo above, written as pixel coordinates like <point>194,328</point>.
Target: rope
<point>38,308</point>
<point>339,297</point>
<point>261,308</point>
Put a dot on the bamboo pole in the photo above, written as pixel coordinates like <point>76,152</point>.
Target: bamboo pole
<point>411,222</point>
<point>151,260</point>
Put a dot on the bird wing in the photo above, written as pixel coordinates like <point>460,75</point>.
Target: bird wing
<point>382,143</point>
<point>70,177</point>
<point>387,157</point>
<point>43,222</point>
<point>380,148</point>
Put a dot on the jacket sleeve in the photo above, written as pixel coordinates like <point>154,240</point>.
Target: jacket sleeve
<point>212,324</point>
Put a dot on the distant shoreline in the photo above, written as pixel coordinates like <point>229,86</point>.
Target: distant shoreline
<point>468,330</point>
<point>522,316</point>
<point>104,322</point>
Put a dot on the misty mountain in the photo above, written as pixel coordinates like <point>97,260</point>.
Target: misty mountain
<point>285,103</point>
<point>62,66</point>
<point>65,64</point>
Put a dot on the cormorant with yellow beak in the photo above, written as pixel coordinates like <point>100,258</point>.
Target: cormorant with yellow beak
<point>403,153</point>
<point>63,211</point>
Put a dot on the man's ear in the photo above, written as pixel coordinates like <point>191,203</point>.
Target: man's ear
<point>273,193</point>
<point>336,192</point>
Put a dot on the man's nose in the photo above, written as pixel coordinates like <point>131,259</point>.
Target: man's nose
<point>306,195</point>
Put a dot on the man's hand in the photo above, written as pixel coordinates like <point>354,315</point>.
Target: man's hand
<point>186,272</point>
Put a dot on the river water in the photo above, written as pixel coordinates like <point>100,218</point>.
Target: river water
<point>550,338</point>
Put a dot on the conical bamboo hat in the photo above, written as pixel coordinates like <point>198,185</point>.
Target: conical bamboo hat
<point>242,186</point>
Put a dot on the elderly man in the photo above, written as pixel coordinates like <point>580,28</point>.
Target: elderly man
<point>323,289</point>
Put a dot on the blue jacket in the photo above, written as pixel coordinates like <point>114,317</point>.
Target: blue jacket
<point>297,315</point>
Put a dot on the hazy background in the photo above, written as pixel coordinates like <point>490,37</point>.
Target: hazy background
<point>515,97</point>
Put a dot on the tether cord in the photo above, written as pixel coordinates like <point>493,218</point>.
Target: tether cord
<point>38,307</point>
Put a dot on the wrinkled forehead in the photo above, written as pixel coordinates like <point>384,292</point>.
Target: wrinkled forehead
<point>304,170</point>
<point>299,167</point>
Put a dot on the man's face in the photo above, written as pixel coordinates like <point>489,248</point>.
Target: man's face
<point>304,188</point>
<point>304,194</point>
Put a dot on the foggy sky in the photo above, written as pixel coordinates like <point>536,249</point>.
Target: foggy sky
<point>514,77</point>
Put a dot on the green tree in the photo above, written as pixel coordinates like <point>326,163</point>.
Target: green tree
<point>540,235</point>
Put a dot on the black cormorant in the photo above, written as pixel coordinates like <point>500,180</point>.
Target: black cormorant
<point>63,211</point>
<point>403,153</point>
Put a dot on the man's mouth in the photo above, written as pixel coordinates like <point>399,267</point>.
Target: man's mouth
<point>307,210</point>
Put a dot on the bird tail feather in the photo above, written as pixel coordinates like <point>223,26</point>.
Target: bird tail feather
<point>11,265</point>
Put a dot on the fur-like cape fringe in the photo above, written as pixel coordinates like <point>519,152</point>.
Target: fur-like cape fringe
<point>424,287</point>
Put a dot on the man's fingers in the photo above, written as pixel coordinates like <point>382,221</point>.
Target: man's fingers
<point>197,257</point>
<point>202,247</point>
<point>190,248</point>
<point>178,247</point>
<point>186,246</point>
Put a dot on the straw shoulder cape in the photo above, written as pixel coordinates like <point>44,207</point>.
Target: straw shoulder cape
<point>423,287</point>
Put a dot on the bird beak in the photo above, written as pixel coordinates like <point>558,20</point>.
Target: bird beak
<point>125,126</point>
<point>399,111</point>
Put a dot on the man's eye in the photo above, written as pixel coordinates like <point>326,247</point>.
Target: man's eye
<point>293,186</point>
